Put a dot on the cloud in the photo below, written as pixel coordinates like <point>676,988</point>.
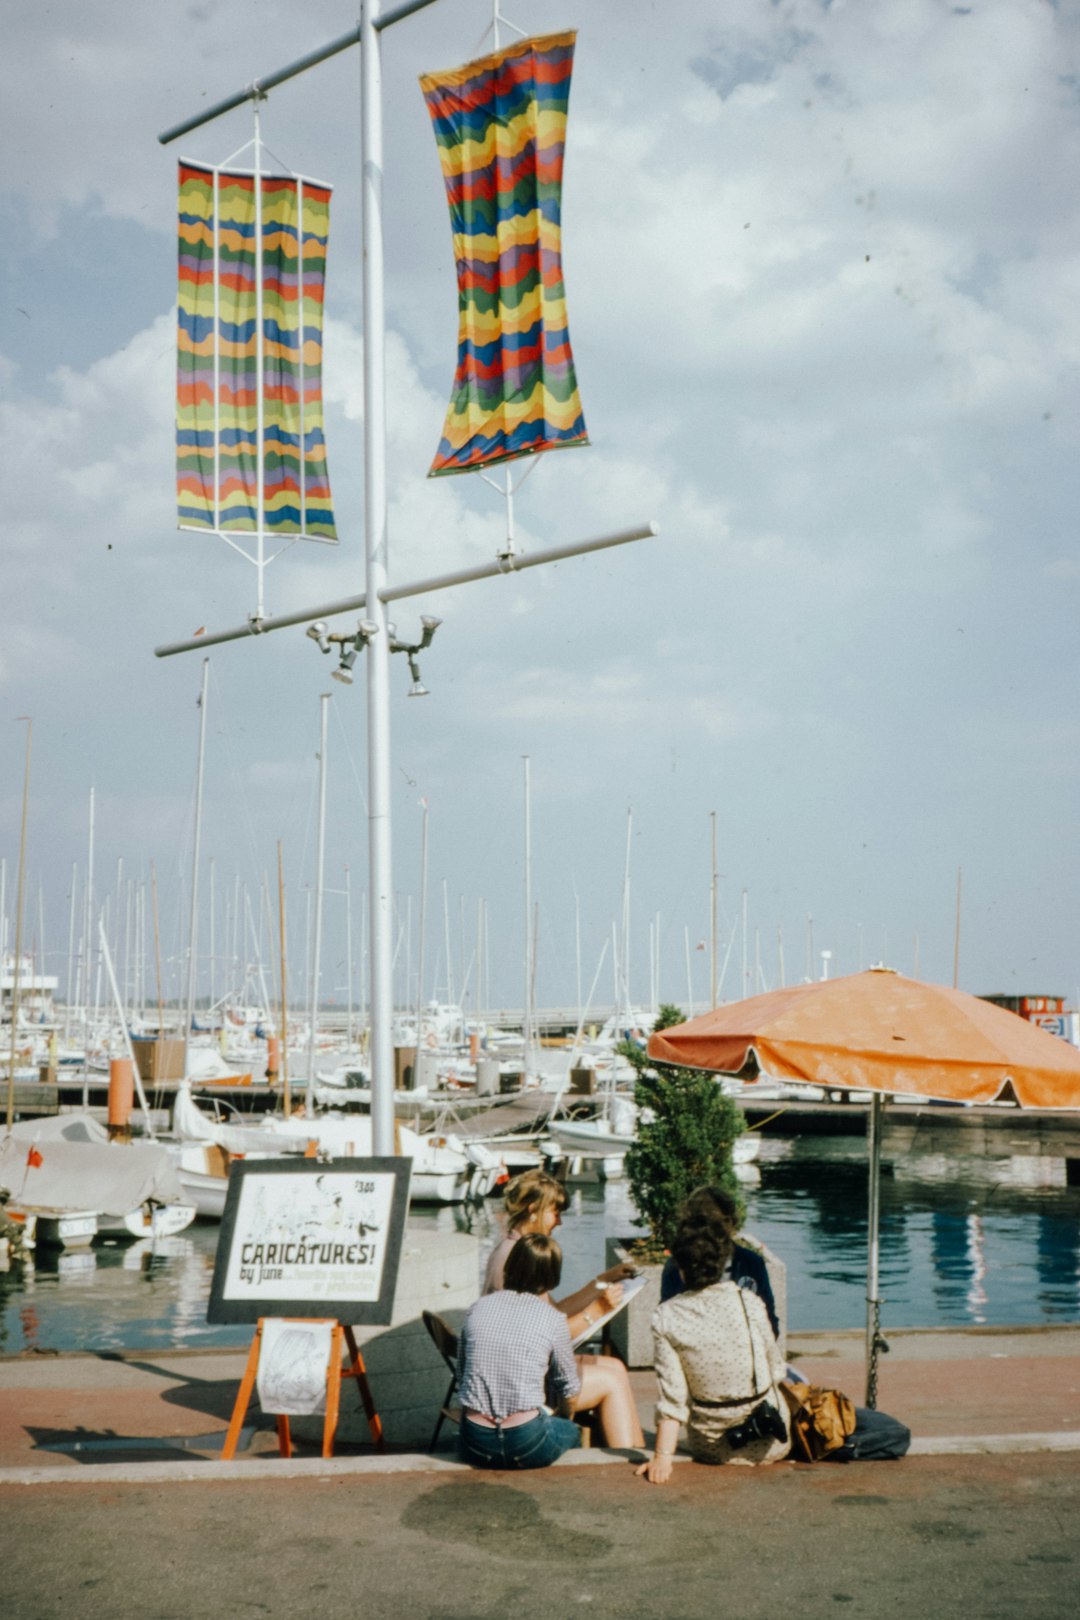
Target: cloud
<point>823,294</point>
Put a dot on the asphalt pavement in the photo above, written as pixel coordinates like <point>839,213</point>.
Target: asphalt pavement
<point>114,1503</point>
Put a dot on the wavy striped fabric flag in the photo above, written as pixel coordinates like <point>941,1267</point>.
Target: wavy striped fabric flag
<point>500,125</point>
<point>223,483</point>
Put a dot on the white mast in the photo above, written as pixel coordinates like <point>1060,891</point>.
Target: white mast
<point>348,960</point>
<point>423,931</point>
<point>88,927</point>
<point>71,954</point>
<point>18,931</point>
<point>316,958</point>
<point>194,914</point>
<point>527,1014</point>
<point>446,935</point>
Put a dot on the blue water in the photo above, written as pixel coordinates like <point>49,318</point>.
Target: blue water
<point>953,1252</point>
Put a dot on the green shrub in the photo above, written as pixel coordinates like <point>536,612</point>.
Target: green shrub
<point>685,1134</point>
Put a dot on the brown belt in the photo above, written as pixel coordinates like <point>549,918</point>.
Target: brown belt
<point>511,1422</point>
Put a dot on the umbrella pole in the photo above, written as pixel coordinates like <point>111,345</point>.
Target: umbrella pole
<point>874,1340</point>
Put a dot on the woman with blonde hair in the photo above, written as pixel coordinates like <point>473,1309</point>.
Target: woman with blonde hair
<point>534,1205</point>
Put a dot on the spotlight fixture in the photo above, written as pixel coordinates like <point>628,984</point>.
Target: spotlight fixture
<point>428,627</point>
<point>417,689</point>
<point>348,643</point>
<point>343,673</point>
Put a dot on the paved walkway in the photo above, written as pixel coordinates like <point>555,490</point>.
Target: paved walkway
<point>130,1515</point>
<point>162,1417</point>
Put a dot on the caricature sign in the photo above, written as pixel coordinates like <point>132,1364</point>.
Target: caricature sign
<point>300,1238</point>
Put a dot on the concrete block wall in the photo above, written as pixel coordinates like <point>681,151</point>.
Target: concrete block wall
<point>631,1330</point>
<point>407,1375</point>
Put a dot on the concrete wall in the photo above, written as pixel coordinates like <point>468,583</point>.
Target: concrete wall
<point>631,1330</point>
<point>408,1377</point>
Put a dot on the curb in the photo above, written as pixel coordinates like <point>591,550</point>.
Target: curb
<point>208,1471</point>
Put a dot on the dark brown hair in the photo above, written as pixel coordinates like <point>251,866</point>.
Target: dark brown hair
<point>534,1265</point>
<point>713,1204</point>
<point>701,1251</point>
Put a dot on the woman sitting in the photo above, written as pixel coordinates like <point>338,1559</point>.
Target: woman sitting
<point>511,1343</point>
<point>717,1363</point>
<point>746,1266</point>
<point>534,1203</point>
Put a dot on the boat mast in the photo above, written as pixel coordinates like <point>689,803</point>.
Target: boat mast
<point>956,942</point>
<point>284,1054</point>
<point>714,959</point>
<point>626,920</point>
<point>316,957</point>
<point>527,1012</point>
<point>446,935</point>
<point>18,930</point>
<point>194,916</point>
<point>71,952</point>
<point>157,952</point>
<point>348,960</point>
<point>88,919</point>
<point>423,929</point>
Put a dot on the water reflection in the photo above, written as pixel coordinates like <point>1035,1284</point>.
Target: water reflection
<point>961,1250</point>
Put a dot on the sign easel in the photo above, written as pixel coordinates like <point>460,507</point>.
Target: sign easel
<point>307,1251</point>
<point>342,1337</point>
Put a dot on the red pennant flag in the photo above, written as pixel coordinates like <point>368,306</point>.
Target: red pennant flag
<point>34,1159</point>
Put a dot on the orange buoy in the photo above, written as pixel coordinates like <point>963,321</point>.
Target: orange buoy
<point>121,1099</point>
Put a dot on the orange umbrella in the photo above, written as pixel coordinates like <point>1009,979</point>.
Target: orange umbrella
<point>880,1032</point>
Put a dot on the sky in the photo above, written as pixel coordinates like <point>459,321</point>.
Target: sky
<point>823,287</point>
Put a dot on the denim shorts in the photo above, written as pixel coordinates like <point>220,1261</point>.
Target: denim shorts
<point>535,1444</point>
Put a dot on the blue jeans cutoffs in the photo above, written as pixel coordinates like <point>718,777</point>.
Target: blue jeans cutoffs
<point>535,1444</point>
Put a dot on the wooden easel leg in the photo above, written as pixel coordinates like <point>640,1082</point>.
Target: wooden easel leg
<point>284,1436</point>
<point>333,1392</point>
<point>358,1371</point>
<point>247,1384</point>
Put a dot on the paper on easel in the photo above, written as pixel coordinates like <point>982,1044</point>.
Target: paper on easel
<point>294,1359</point>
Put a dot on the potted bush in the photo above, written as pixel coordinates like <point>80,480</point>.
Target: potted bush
<point>685,1134</point>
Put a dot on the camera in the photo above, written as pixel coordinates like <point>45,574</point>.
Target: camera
<point>764,1423</point>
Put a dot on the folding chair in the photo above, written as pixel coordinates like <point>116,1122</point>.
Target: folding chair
<point>445,1342</point>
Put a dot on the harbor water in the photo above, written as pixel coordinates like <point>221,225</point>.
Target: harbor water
<point>959,1250</point>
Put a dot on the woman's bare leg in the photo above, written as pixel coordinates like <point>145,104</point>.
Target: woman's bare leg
<point>605,1385</point>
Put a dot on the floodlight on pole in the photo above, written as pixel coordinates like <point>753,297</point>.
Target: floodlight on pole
<point>350,647</point>
<point>411,649</point>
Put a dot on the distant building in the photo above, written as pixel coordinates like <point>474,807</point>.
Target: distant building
<point>36,991</point>
<point>1048,1012</point>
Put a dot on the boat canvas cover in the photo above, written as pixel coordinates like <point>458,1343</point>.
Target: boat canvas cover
<point>248,255</point>
<point>68,1163</point>
<point>190,1124</point>
<point>500,126</point>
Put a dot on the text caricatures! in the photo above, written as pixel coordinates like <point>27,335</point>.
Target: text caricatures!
<point>322,1239</point>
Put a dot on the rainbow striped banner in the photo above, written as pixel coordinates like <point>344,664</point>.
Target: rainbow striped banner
<point>500,125</point>
<point>234,241</point>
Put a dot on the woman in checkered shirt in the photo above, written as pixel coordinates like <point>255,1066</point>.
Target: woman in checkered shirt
<point>512,1343</point>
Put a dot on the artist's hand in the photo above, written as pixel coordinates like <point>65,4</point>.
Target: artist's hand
<point>657,1470</point>
<point>619,1273</point>
<point>610,1298</point>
